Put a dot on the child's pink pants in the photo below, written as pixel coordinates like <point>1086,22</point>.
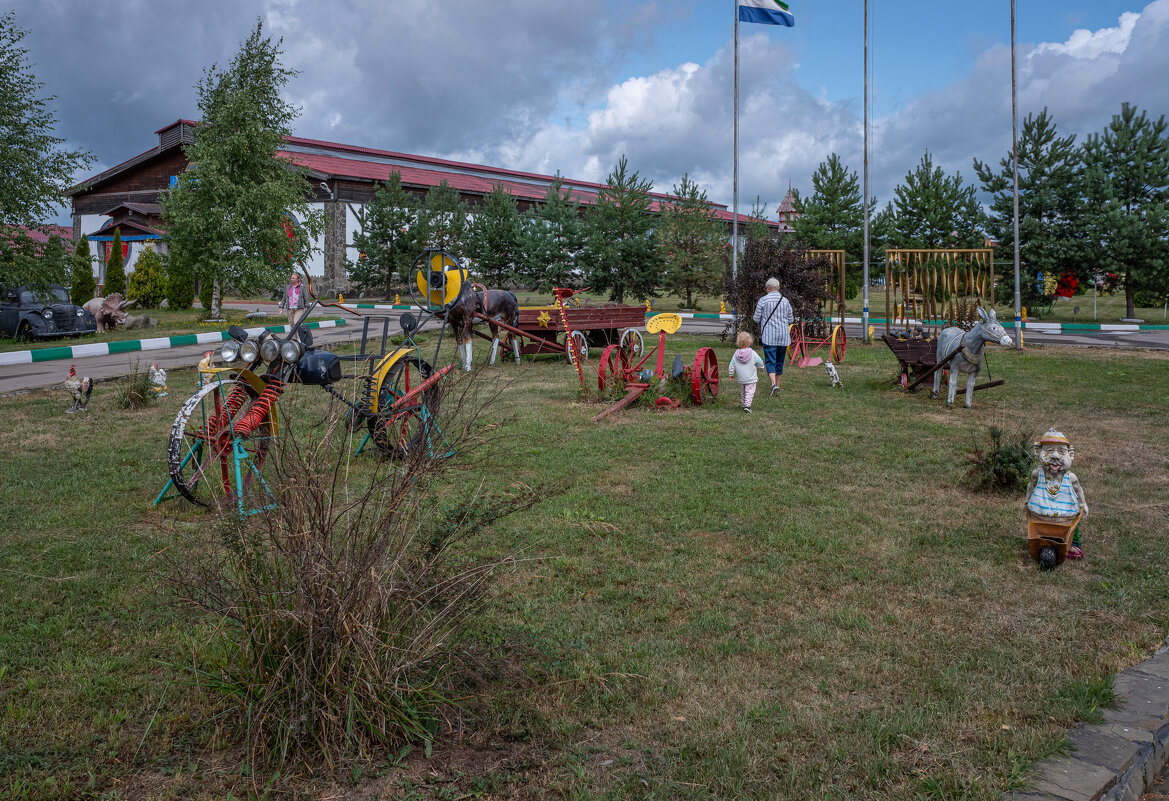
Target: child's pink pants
<point>748,391</point>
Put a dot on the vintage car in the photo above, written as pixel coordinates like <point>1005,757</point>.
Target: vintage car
<point>29,314</point>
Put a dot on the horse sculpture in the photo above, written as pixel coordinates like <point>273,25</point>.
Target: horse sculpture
<point>497,304</point>
<point>969,361</point>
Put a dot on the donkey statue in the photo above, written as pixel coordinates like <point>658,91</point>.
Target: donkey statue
<point>497,304</point>
<point>969,361</point>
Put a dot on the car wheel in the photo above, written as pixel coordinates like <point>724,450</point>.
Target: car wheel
<point>24,332</point>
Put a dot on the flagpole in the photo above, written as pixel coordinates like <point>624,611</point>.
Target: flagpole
<point>1015,190</point>
<point>865,280</point>
<point>735,217</point>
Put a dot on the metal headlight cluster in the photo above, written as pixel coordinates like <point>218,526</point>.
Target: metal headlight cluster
<point>290,351</point>
<point>230,351</point>
<point>270,349</point>
<point>250,351</point>
<point>47,314</point>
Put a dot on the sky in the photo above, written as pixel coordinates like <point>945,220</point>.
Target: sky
<point>552,87</point>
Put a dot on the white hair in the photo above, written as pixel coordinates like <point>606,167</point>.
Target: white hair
<point>772,284</point>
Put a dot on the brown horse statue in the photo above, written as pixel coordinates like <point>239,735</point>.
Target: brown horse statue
<point>498,305</point>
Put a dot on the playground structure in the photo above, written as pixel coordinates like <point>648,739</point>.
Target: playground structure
<point>618,371</point>
<point>810,335</point>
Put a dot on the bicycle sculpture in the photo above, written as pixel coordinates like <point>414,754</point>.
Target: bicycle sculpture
<point>221,438</point>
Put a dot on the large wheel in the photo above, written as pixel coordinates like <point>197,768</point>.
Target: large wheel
<point>633,343</point>
<point>611,374</point>
<point>704,376</point>
<point>398,431</point>
<point>582,347</point>
<point>216,425</point>
<point>796,332</point>
<point>839,344</point>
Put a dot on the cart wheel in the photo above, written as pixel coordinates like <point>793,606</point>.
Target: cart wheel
<point>904,381</point>
<point>582,347</point>
<point>839,344</point>
<point>1047,558</point>
<point>398,431</point>
<point>206,436</point>
<point>704,376</point>
<point>796,332</point>
<point>632,343</point>
<point>611,373</point>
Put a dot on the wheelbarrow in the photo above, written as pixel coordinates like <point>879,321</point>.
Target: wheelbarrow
<point>1048,541</point>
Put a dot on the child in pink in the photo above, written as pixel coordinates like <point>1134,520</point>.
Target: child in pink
<point>745,366</point>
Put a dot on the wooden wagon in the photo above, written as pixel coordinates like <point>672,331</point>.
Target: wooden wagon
<point>541,328</point>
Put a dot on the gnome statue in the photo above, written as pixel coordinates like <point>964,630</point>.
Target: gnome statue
<point>1054,495</point>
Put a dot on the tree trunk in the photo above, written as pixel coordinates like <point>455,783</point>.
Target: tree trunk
<point>689,299</point>
<point>216,299</point>
<point>1130,310</point>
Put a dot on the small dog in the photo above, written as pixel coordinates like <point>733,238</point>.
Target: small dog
<point>833,376</point>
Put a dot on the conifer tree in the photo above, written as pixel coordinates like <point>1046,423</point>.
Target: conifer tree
<point>1050,230</point>
<point>443,221</point>
<point>147,284</point>
<point>388,242</point>
<point>1126,202</point>
<point>935,210</point>
<point>228,214</point>
<point>180,283</point>
<point>115,268</point>
<point>553,240</point>
<point>832,217</point>
<point>82,286</point>
<point>621,250</point>
<point>495,237</point>
<point>55,261</point>
<point>692,242</point>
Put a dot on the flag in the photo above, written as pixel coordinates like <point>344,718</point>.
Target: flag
<point>768,12</point>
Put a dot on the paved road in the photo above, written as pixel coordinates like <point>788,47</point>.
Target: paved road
<point>15,378</point>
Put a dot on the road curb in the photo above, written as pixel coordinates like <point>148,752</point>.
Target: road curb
<point>137,345</point>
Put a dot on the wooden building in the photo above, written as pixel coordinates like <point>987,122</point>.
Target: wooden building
<point>343,178</point>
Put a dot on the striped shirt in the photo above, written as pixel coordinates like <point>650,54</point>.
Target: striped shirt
<point>775,326</point>
<point>1063,503</point>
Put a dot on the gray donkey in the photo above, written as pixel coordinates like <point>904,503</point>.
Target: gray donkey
<point>987,329</point>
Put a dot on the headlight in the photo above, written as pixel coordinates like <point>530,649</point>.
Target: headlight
<point>250,351</point>
<point>47,314</point>
<point>290,351</point>
<point>230,351</point>
<point>269,349</point>
<point>81,312</point>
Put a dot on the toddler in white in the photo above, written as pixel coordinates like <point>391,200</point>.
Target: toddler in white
<point>745,366</point>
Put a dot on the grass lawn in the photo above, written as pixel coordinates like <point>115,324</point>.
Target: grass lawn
<point>800,603</point>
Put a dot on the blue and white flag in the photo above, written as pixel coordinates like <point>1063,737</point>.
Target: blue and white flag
<point>768,12</point>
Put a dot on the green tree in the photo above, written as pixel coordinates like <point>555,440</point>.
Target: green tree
<point>756,222</point>
<point>935,210</point>
<point>55,260</point>
<point>115,268</point>
<point>495,238</point>
<point>1050,230</point>
<point>692,243</point>
<point>388,242</point>
<point>147,284</point>
<point>180,283</point>
<point>443,221</point>
<point>228,214</point>
<point>1126,202</point>
<point>553,240</point>
<point>36,166</point>
<point>621,250</point>
<point>832,217</point>
<point>82,286</point>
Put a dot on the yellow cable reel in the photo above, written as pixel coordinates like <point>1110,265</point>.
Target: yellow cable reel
<point>440,280</point>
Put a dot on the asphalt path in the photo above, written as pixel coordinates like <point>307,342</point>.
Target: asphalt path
<point>23,377</point>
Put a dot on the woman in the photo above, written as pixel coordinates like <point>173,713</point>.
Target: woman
<point>293,300</point>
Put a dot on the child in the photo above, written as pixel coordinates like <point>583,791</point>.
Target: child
<point>744,367</point>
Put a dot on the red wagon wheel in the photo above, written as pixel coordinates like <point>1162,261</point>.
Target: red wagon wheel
<point>839,344</point>
<point>704,376</point>
<point>614,363</point>
<point>796,332</point>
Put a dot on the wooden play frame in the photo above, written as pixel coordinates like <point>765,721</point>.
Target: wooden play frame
<point>914,276</point>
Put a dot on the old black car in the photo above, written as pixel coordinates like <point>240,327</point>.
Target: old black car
<point>29,314</point>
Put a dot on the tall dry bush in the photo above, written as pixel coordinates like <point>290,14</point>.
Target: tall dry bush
<point>344,608</point>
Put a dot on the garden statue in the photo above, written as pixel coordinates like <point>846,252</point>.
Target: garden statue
<point>968,361</point>
<point>1055,503</point>
<point>110,311</point>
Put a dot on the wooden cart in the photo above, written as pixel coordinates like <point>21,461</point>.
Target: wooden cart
<point>542,328</point>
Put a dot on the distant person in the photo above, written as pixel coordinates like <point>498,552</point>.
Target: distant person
<point>744,368</point>
<point>774,314</point>
<point>292,301</point>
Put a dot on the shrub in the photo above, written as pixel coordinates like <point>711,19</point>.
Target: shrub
<point>180,284</point>
<point>147,284</point>
<point>1148,298</point>
<point>82,287</point>
<point>852,288</point>
<point>133,391</point>
<point>1002,465</point>
<point>115,268</point>
<point>342,614</point>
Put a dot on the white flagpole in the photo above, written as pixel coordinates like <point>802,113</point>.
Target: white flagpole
<point>1015,190</point>
<point>865,280</point>
<point>735,218</point>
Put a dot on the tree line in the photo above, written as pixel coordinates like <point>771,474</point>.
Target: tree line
<point>1098,209</point>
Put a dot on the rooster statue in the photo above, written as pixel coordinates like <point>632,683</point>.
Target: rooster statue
<point>158,381</point>
<point>80,389</point>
